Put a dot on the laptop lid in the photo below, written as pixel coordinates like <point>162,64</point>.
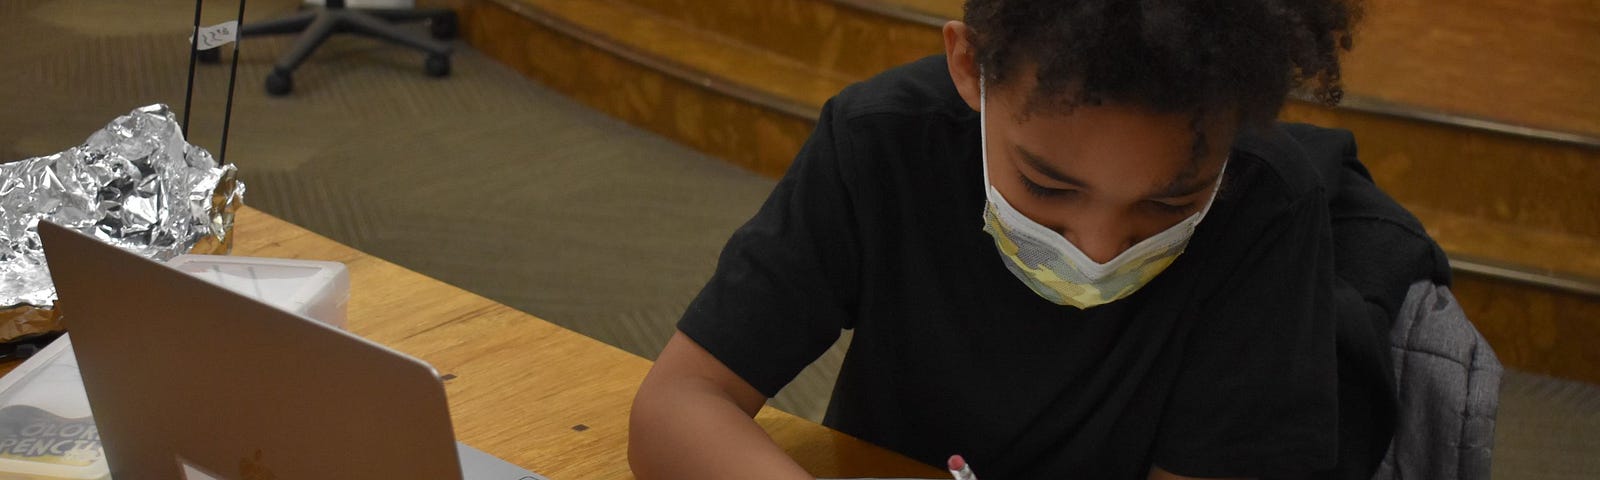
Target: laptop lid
<point>184,376</point>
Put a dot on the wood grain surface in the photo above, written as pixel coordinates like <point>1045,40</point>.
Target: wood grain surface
<point>748,134</point>
<point>521,388</point>
<point>1534,329</point>
<point>829,37</point>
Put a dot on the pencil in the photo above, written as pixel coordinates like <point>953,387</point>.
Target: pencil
<point>959,469</point>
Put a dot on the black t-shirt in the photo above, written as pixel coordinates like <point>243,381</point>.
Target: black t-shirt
<point>1249,356</point>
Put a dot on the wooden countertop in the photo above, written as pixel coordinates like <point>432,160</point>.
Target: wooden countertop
<point>521,388</point>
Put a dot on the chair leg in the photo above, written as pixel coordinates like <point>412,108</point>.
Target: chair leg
<point>319,31</point>
<point>408,15</point>
<point>290,24</point>
<point>374,28</point>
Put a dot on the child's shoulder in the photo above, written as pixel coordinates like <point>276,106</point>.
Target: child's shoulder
<point>1299,158</point>
<point>919,88</point>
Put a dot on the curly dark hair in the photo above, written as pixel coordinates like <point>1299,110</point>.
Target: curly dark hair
<point>1236,58</point>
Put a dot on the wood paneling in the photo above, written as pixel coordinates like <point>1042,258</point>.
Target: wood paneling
<point>1532,328</point>
<point>1534,63</point>
<point>702,53</point>
<point>757,137</point>
<point>1531,249</point>
<point>822,34</point>
<point>1502,179</point>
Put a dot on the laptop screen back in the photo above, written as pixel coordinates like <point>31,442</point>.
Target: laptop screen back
<point>183,375</point>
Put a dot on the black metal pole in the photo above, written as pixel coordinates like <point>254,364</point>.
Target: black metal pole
<point>233,74</point>
<point>194,53</point>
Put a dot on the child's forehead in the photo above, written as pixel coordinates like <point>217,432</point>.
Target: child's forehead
<point>1148,151</point>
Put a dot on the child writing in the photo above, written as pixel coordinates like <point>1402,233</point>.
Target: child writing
<point>1075,245</point>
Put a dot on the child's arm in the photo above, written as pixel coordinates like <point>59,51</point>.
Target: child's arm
<point>692,418</point>
<point>1156,473</point>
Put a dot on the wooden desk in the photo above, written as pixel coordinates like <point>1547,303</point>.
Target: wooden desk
<point>524,389</point>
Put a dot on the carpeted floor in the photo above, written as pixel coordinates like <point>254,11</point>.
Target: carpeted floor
<point>490,182</point>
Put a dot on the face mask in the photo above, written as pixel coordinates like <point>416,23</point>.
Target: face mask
<point>1056,269</point>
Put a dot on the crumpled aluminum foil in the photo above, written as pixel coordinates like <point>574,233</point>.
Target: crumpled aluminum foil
<point>135,183</point>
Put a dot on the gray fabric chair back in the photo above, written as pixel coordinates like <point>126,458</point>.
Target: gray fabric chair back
<point>1448,382</point>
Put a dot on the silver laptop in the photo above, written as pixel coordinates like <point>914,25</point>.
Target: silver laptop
<point>189,380</point>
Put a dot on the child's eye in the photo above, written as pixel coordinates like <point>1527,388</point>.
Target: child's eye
<point>1172,208</point>
<point>1038,190</point>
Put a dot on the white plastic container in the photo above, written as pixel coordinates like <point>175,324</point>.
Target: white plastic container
<point>46,429</point>
<point>314,289</point>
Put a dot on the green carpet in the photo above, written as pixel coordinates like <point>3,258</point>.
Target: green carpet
<point>491,182</point>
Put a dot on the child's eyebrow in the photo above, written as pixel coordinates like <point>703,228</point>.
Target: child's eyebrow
<point>1038,163</point>
<point>1184,185</point>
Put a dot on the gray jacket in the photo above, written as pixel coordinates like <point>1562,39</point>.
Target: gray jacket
<point>1448,381</point>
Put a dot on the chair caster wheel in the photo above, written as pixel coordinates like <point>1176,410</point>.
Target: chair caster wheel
<point>437,65</point>
<point>279,83</point>
<point>213,55</point>
<point>443,27</point>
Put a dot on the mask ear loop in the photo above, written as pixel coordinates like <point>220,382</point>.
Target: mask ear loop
<point>983,126</point>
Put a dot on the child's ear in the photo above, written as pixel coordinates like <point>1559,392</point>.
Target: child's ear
<point>962,61</point>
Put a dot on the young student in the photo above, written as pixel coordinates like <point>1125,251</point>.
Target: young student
<point>1074,246</point>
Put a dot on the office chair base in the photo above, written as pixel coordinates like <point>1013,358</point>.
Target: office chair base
<point>279,83</point>
<point>316,25</point>
<point>437,65</point>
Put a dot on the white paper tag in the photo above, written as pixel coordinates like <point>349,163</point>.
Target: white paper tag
<point>191,472</point>
<point>218,35</point>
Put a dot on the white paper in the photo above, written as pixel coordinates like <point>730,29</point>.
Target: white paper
<point>218,35</point>
<point>192,472</point>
